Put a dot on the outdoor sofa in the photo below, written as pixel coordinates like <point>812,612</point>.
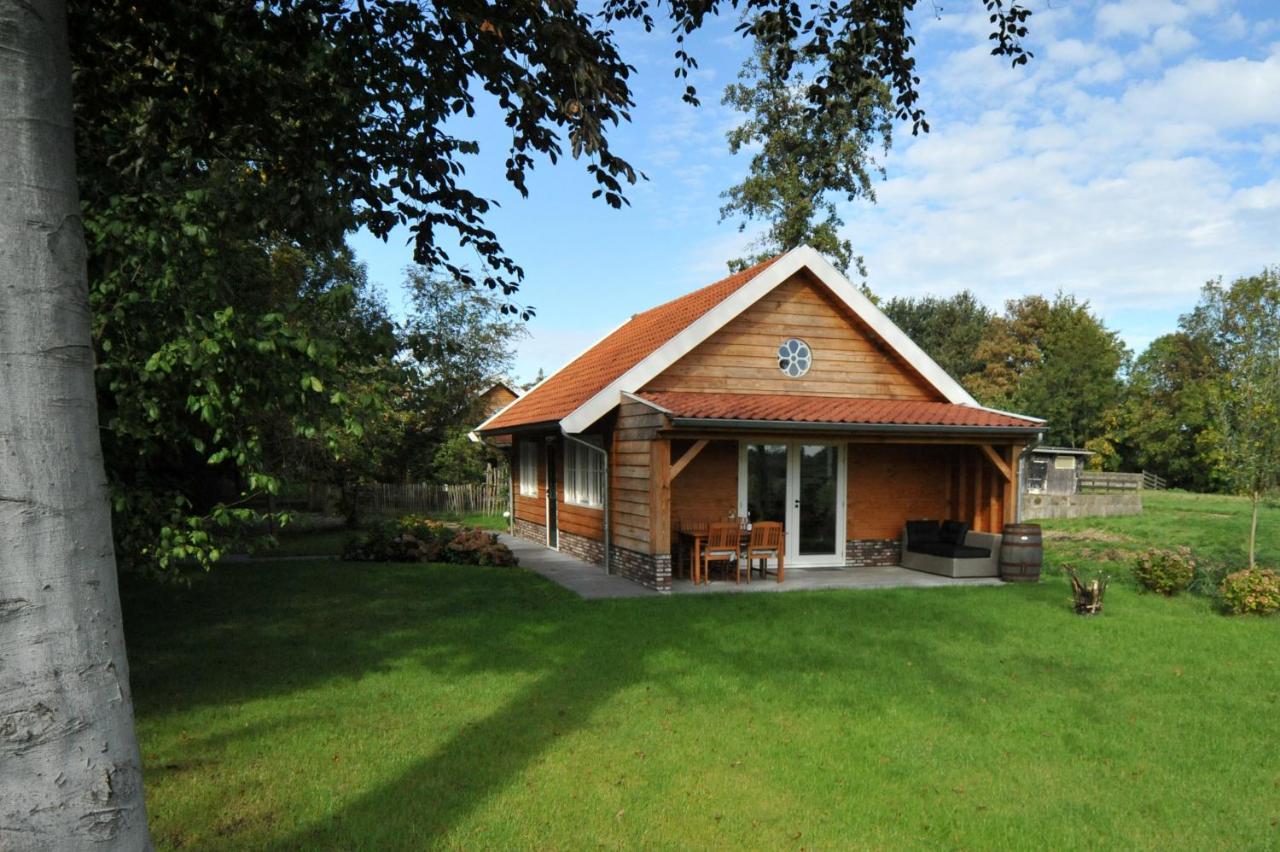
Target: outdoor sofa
<point>950,548</point>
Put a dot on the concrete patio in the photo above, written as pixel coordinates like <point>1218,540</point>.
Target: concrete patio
<point>590,581</point>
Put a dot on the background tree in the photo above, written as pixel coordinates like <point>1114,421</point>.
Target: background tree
<point>803,161</point>
<point>1243,323</point>
<point>460,459</point>
<point>1168,411</point>
<point>1052,359</point>
<point>949,330</point>
<point>457,341</point>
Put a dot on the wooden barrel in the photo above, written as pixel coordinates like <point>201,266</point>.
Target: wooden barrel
<point>1021,553</point>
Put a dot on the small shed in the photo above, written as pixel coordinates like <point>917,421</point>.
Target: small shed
<point>1055,470</point>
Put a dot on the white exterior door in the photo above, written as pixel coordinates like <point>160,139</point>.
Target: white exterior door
<point>802,484</point>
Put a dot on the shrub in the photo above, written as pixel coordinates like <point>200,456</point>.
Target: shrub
<point>416,539</point>
<point>1253,590</point>
<point>1165,571</point>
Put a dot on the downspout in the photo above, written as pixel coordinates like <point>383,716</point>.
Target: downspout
<point>604,496</point>
<point>1022,473</point>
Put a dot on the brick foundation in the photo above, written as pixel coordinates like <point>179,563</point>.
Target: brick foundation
<point>651,571</point>
<point>586,549</point>
<point>529,531</point>
<point>866,552</point>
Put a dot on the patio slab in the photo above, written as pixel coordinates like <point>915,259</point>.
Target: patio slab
<point>590,581</point>
<point>587,580</point>
<point>871,577</point>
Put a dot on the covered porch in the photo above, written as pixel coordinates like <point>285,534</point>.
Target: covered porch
<point>587,581</point>
<point>842,491</point>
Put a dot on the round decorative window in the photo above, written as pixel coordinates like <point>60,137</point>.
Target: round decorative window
<point>795,357</point>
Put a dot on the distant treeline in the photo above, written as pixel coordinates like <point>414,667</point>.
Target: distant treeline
<point>1169,409</point>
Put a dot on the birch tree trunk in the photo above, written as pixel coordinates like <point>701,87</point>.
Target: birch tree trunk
<point>1253,529</point>
<point>70,773</point>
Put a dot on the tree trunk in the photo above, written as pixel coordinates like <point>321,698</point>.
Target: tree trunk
<point>1253,528</point>
<point>70,773</point>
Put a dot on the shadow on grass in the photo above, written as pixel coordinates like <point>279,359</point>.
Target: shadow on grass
<point>255,631</point>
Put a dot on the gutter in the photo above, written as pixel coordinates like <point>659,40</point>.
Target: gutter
<point>811,426</point>
<point>604,497</point>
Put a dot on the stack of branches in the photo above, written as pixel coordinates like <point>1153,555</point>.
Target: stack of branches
<point>1087,593</point>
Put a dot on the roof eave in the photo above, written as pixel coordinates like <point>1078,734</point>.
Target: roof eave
<point>736,424</point>
<point>539,426</point>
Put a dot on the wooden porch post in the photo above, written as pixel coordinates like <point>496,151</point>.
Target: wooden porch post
<point>1011,455</point>
<point>660,496</point>
<point>979,522</point>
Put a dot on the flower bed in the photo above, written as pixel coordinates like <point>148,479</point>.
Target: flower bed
<point>417,539</point>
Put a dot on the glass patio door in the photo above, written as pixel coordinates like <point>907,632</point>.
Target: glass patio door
<point>801,484</point>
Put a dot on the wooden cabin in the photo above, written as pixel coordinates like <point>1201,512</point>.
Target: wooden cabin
<point>497,397</point>
<point>779,393</point>
<point>1055,470</point>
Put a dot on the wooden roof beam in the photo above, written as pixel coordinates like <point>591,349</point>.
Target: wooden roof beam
<point>689,455</point>
<point>996,460</point>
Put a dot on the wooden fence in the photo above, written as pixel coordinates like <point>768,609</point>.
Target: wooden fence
<point>1107,481</point>
<point>488,497</point>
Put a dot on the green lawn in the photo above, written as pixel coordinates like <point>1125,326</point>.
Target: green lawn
<point>327,705</point>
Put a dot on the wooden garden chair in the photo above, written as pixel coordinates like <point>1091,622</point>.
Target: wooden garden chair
<point>722,546</point>
<point>765,543</point>
<point>687,534</point>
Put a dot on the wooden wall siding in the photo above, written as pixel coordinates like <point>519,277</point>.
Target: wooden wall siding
<point>629,475</point>
<point>742,357</point>
<point>496,397</point>
<point>532,509</point>
<point>706,490</point>
<point>978,493</point>
<point>890,484</point>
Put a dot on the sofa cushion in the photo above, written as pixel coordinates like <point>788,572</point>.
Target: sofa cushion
<point>921,532</point>
<point>953,532</point>
<point>950,551</point>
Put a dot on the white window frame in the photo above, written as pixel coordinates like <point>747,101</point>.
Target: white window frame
<point>584,473</point>
<point>528,468</point>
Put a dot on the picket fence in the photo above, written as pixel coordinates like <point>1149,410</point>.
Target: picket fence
<point>488,497</point>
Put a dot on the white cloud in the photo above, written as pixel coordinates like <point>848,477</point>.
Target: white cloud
<point>1139,17</point>
<point>1084,174</point>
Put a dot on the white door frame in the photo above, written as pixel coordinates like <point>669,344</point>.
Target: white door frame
<point>791,523</point>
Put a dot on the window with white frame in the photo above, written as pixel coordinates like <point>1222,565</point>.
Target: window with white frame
<point>584,473</point>
<point>528,468</point>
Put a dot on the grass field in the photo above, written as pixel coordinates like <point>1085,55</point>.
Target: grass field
<point>326,705</point>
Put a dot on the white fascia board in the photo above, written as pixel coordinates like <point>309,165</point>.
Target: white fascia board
<point>1039,420</point>
<point>548,378</point>
<point>802,257</point>
<point>647,402</point>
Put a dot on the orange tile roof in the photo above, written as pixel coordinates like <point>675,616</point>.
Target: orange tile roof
<point>593,370</point>
<point>826,409</point>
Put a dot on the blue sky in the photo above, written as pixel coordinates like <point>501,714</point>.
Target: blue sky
<point>1133,159</point>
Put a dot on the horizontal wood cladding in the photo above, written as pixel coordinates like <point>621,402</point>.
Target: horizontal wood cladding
<point>891,484</point>
<point>634,431</point>
<point>706,490</point>
<point>581,520</point>
<point>742,357</point>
